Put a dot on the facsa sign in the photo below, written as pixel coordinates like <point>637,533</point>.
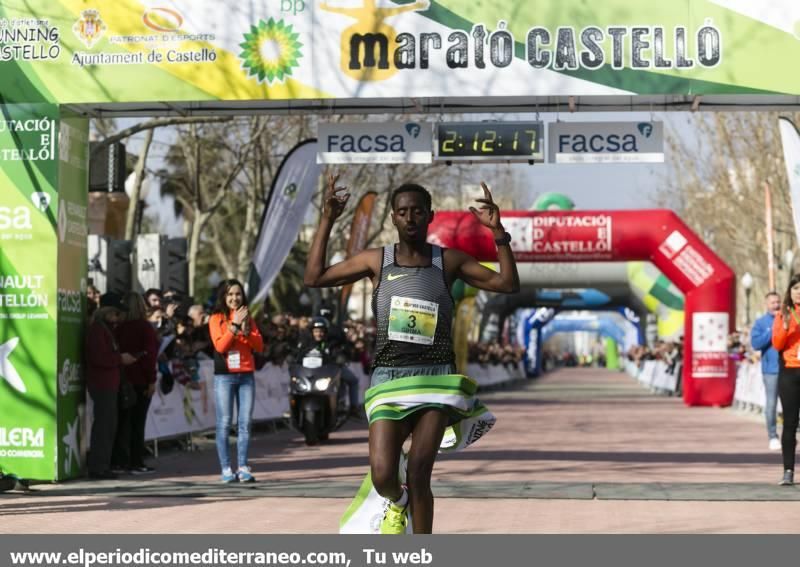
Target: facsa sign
<point>375,142</point>
<point>606,142</point>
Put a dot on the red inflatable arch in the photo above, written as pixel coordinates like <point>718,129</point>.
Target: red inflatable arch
<point>660,236</point>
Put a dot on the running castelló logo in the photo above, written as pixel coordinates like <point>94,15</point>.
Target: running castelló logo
<point>370,34</point>
<point>271,51</point>
<point>89,28</point>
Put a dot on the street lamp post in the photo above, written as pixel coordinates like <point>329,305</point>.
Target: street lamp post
<point>788,258</point>
<point>747,284</point>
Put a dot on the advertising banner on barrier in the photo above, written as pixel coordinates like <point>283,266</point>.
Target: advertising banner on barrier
<point>606,142</point>
<point>29,299</point>
<point>375,142</point>
<point>204,50</point>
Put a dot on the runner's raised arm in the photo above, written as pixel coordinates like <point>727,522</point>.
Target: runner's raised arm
<point>474,273</point>
<point>362,265</point>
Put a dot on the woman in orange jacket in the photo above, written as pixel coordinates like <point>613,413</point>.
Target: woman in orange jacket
<point>235,337</point>
<point>786,340</point>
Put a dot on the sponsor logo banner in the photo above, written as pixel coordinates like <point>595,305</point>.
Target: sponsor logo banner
<point>375,142</point>
<point>28,289</point>
<point>587,237</point>
<point>709,345</point>
<point>291,194</point>
<point>606,142</point>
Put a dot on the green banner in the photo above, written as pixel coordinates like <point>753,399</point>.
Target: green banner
<point>72,266</point>
<point>43,200</point>
<point>28,296</point>
<point>72,52</point>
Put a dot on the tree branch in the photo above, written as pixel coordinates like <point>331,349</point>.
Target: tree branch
<point>152,124</point>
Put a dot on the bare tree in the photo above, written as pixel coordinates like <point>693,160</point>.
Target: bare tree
<point>206,163</point>
<point>717,186</point>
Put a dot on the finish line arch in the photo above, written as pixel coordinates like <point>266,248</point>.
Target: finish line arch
<point>709,378</point>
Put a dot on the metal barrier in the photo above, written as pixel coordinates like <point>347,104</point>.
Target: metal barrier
<point>749,394</point>
<point>656,375</point>
<point>189,408</point>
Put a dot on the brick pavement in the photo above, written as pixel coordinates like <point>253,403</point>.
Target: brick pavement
<point>579,451</point>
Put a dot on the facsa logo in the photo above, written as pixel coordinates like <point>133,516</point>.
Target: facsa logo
<point>597,143</point>
<point>18,218</point>
<point>413,129</point>
<point>645,129</point>
<point>366,143</point>
<point>41,200</point>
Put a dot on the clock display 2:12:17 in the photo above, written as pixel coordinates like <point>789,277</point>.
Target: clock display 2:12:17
<point>487,140</point>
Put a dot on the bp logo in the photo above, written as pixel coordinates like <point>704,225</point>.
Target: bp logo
<point>270,51</point>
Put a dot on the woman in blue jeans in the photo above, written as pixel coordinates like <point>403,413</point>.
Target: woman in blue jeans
<point>235,337</point>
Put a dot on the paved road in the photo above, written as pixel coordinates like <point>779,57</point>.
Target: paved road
<point>579,451</point>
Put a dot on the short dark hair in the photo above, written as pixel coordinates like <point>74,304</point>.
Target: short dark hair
<point>770,293</point>
<point>412,188</point>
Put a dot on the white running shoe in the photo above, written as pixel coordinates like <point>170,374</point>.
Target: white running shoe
<point>774,444</point>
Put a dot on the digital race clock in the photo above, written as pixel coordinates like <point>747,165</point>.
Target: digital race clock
<point>476,141</point>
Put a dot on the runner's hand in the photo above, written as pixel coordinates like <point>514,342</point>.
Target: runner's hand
<point>336,198</point>
<point>489,213</point>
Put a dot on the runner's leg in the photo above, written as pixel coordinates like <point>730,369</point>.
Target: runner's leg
<point>427,435</point>
<point>386,439</point>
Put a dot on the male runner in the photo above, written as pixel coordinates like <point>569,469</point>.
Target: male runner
<point>414,312</point>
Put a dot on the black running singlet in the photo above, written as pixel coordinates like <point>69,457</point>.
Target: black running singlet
<point>413,309</point>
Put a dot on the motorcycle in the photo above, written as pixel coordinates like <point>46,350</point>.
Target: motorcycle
<point>318,399</point>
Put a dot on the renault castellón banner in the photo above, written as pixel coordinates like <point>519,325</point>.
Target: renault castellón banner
<point>290,196</point>
<point>42,252</point>
<point>78,51</point>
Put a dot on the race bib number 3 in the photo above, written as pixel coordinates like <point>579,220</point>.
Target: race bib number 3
<point>413,320</point>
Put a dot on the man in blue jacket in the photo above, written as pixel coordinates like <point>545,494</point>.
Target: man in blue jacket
<point>761,339</point>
